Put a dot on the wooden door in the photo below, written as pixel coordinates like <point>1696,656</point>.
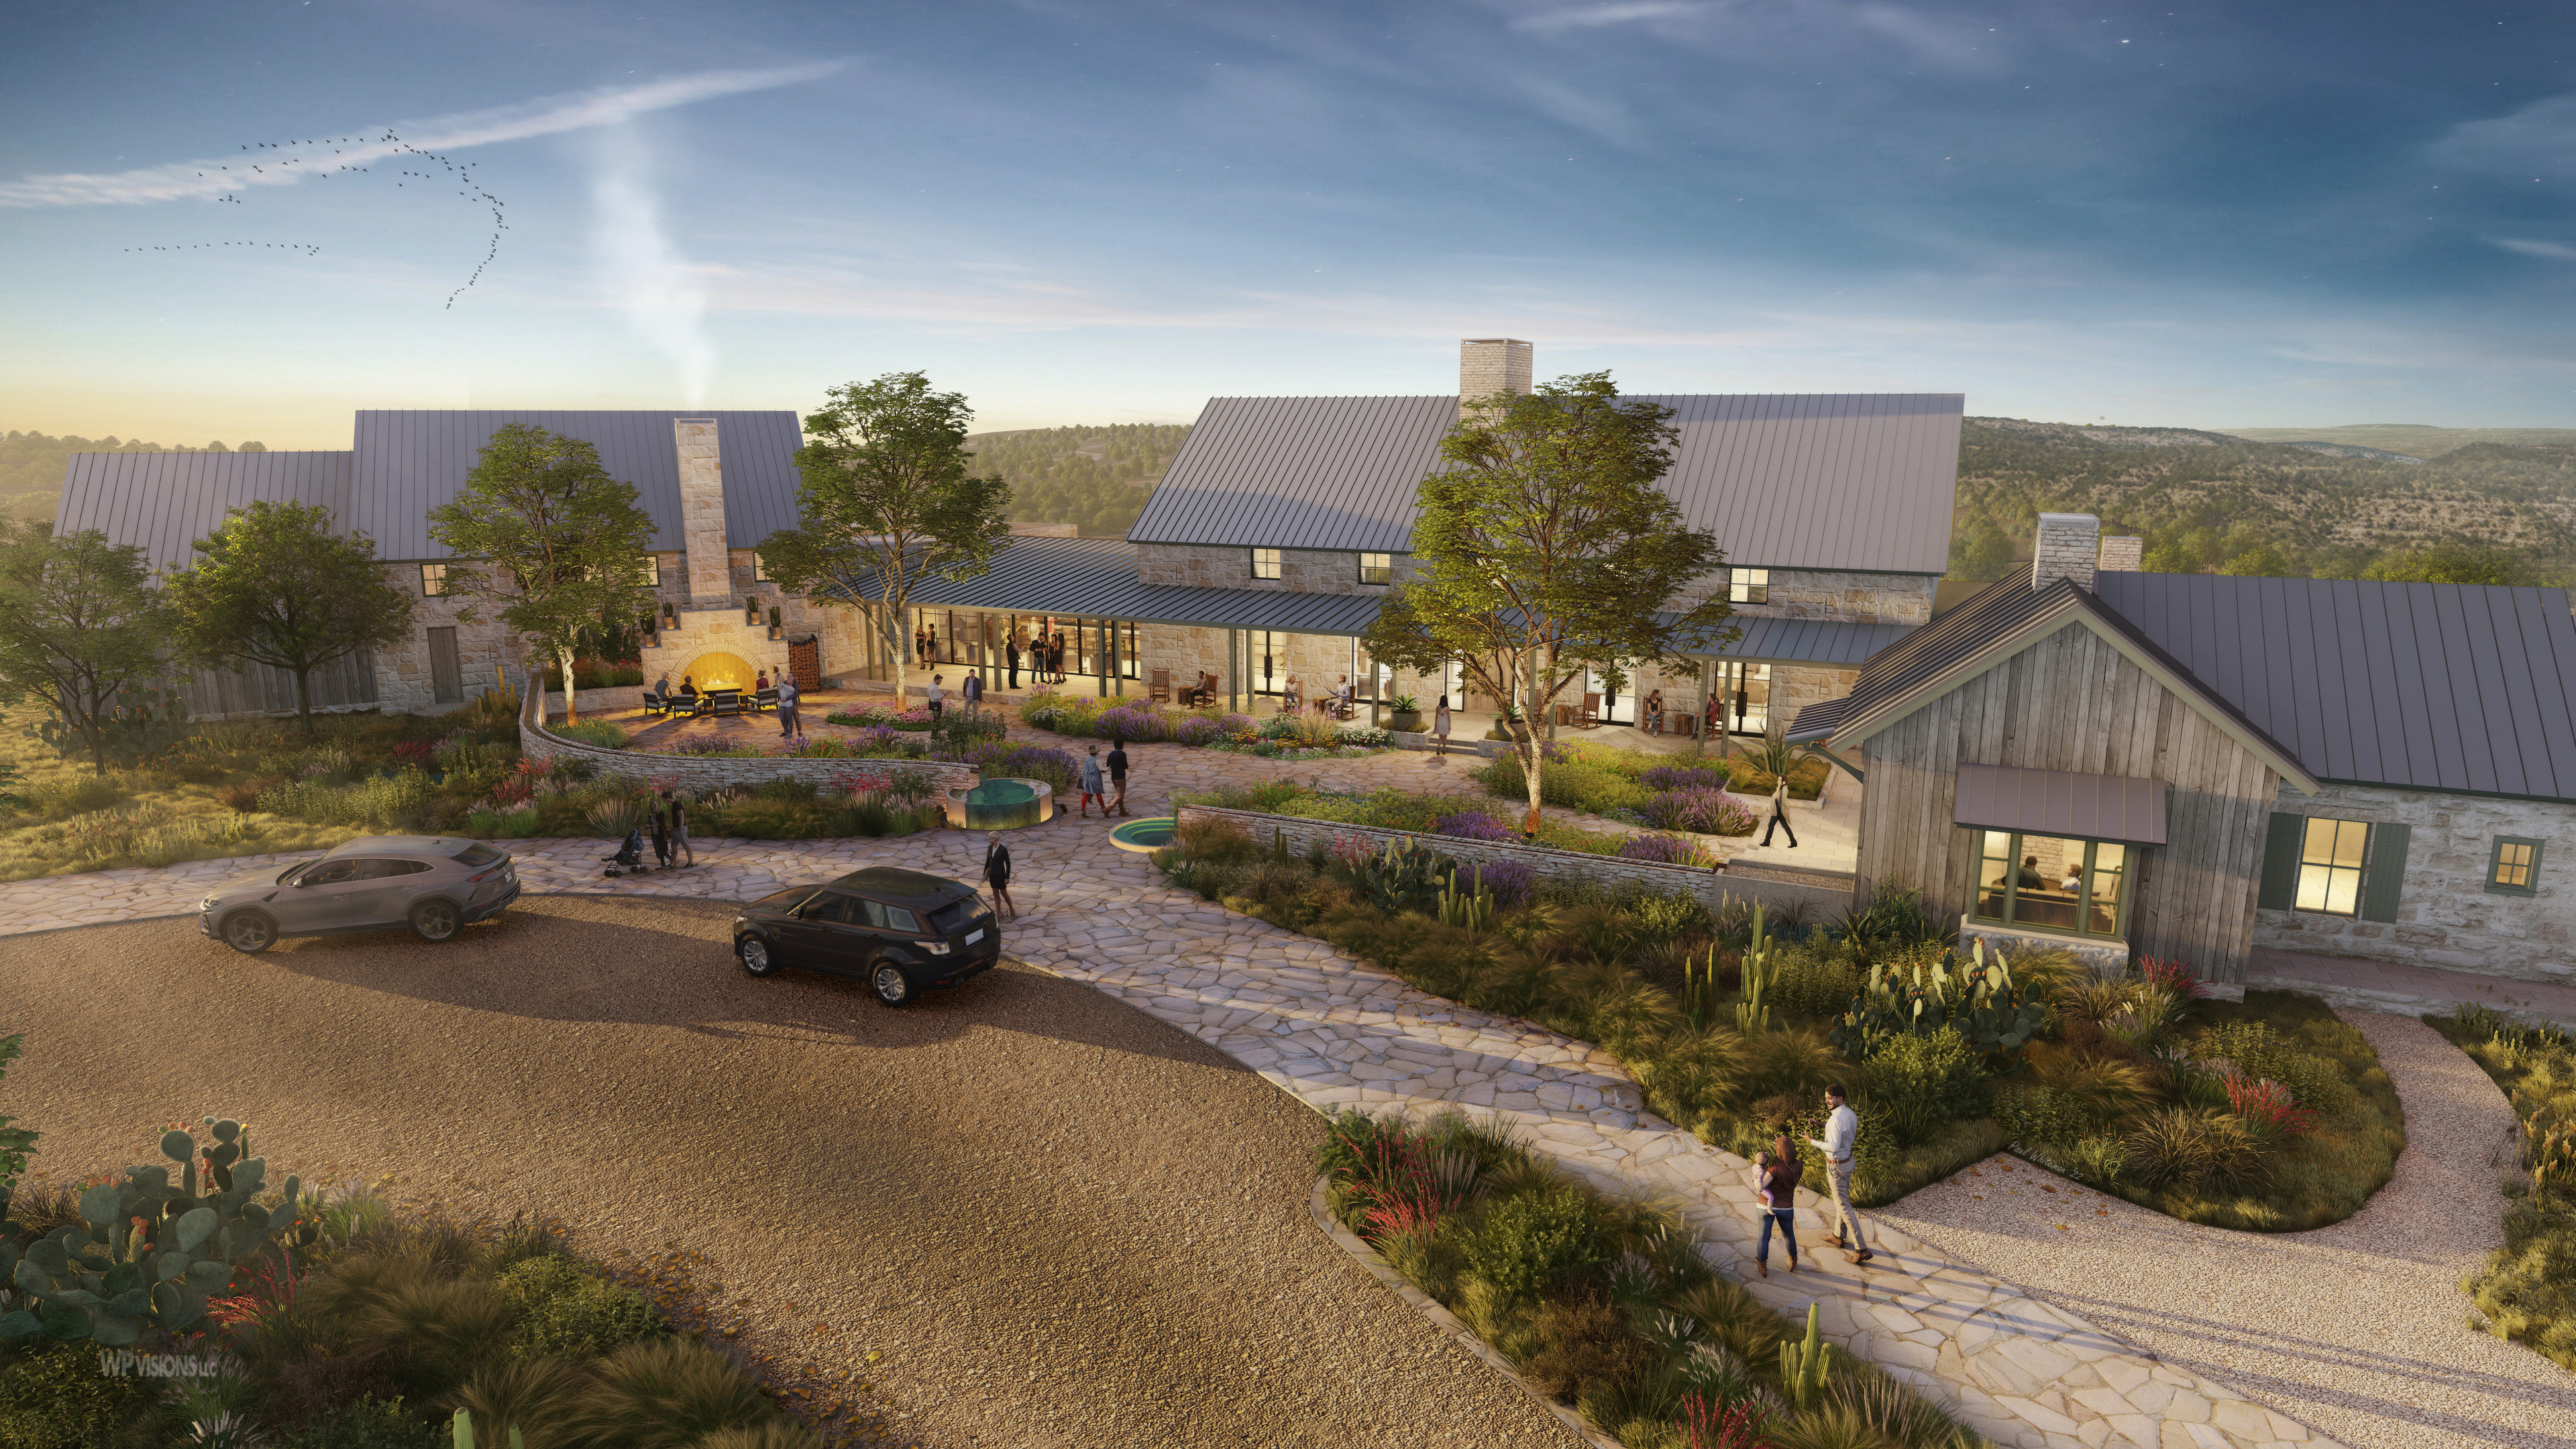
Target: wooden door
<point>446,680</point>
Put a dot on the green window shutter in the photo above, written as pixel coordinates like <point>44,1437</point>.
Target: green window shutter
<point>2387,872</point>
<point>2281,862</point>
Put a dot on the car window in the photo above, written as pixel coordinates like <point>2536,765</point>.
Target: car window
<point>952,917</point>
<point>335,872</point>
<point>477,855</point>
<point>833,907</point>
<point>892,918</point>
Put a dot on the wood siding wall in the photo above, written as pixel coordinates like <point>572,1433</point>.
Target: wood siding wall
<point>2072,702</point>
<point>348,682</point>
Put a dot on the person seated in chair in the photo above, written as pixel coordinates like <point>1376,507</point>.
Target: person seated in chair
<point>1654,720</point>
<point>688,687</point>
<point>662,687</point>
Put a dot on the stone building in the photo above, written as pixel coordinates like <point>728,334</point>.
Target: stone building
<point>2202,768</point>
<point>1263,554</point>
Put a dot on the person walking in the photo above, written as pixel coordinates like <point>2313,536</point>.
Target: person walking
<point>1055,656</point>
<point>1117,779</point>
<point>791,725</point>
<point>920,645</point>
<point>938,695</point>
<point>661,842</point>
<point>1780,813</point>
<point>1091,785</point>
<point>1011,651</point>
<point>1440,727</point>
<point>1842,1135</point>
<point>933,656</point>
<point>679,812</point>
<point>997,872</point>
<point>1781,1170</point>
<point>972,691</point>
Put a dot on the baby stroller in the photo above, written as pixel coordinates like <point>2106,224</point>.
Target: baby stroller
<point>629,856</point>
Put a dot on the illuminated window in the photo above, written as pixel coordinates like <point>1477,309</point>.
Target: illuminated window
<point>1377,568</point>
<point>1265,563</point>
<point>433,580</point>
<point>1748,586</point>
<point>2330,858</point>
<point>652,571</point>
<point>2053,883</point>
<point>2514,869</point>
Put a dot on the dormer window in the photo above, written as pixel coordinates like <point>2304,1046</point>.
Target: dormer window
<point>1377,568</point>
<point>1265,563</point>
<point>1748,586</point>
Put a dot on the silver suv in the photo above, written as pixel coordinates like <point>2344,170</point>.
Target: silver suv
<point>436,885</point>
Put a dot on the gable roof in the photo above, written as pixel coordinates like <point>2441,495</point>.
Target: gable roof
<point>1998,622</point>
<point>2459,687</point>
<point>1842,481</point>
<point>409,462</point>
<point>165,502</point>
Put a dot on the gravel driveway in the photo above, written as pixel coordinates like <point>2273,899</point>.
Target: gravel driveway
<point>1062,1222</point>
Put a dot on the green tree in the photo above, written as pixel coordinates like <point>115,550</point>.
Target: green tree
<point>552,540</point>
<point>2261,561</point>
<point>1544,546</point>
<point>887,504</point>
<point>1980,551</point>
<point>275,585</point>
<point>80,626</point>
<point>2452,563</point>
<point>17,1144</point>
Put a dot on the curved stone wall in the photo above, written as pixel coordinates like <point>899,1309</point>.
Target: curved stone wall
<point>700,773</point>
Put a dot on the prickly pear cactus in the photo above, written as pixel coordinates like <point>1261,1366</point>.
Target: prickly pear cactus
<point>147,1256</point>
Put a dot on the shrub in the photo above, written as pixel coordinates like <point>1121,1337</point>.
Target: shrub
<point>1198,729</point>
<point>2261,1052</point>
<point>1926,1080</point>
<point>591,732</point>
<point>666,1394</point>
<point>1473,825</point>
<point>567,1312</point>
<point>1670,849</point>
<point>2184,1147</point>
<point>825,747</point>
<point>1027,762</point>
<point>1364,737</point>
<point>1584,1341</point>
<point>1129,722</point>
<point>1685,777</point>
<point>1530,1242</point>
<point>1213,841</point>
<point>54,1397</point>
<point>1816,979</point>
<point>2042,1114</point>
<point>1510,881</point>
<point>370,1423</point>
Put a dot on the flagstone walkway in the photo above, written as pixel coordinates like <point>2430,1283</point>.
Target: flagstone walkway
<point>1335,1032</point>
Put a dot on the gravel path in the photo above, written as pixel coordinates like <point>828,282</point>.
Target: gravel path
<point>1063,1222</point>
<point>2358,1329</point>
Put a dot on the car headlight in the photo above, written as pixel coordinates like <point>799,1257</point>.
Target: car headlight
<point>207,904</point>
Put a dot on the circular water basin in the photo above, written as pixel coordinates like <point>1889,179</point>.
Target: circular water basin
<point>1151,833</point>
<point>1005,804</point>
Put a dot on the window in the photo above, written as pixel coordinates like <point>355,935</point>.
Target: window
<point>1748,586</point>
<point>759,569</point>
<point>2331,853</point>
<point>481,855</point>
<point>892,918</point>
<point>1377,568</point>
<point>2054,884</point>
<point>1265,563</point>
<point>433,580</point>
<point>838,909</point>
<point>652,571</point>
<point>2514,868</point>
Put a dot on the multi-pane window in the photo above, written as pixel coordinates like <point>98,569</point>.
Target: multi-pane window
<point>433,580</point>
<point>759,569</point>
<point>2514,868</point>
<point>1377,568</point>
<point>2330,861</point>
<point>1265,563</point>
<point>2053,883</point>
<point>1748,586</point>
<point>652,571</point>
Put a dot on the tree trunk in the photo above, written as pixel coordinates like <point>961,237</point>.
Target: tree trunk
<point>1533,755</point>
<point>304,699</point>
<point>572,706</point>
<point>899,651</point>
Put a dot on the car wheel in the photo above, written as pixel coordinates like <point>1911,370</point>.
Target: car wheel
<point>249,932</point>
<point>436,921</point>
<point>757,959</point>
<point>893,987</point>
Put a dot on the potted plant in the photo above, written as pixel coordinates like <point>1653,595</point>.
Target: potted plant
<point>774,629</point>
<point>670,618</point>
<point>1509,724</point>
<point>1406,718</point>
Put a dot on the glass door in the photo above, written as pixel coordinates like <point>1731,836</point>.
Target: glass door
<point>1266,658</point>
<point>1744,693</point>
<point>1615,708</point>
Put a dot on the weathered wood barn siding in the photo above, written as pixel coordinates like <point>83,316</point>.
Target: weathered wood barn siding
<point>2072,702</point>
<point>348,682</point>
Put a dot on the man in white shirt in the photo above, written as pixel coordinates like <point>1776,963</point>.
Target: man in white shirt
<point>1842,1135</point>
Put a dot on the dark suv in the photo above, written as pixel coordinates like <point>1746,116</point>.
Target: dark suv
<point>900,931</point>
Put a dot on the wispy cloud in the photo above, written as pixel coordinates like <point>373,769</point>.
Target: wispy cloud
<point>2537,135</point>
<point>553,115</point>
<point>2553,251</point>
<point>1585,17</point>
<point>641,270</point>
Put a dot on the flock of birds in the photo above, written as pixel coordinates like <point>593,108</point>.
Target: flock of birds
<point>456,174</point>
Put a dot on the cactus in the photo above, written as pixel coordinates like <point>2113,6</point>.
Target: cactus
<point>1981,1002</point>
<point>148,1256</point>
<point>1752,1017</point>
<point>460,1432</point>
<point>1401,875</point>
<point>1462,906</point>
<point>1699,990</point>
<point>1802,1367</point>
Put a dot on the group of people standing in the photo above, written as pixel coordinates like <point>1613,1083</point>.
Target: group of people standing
<point>1781,1170</point>
<point>1045,653</point>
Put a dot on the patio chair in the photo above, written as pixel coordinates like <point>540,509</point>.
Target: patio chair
<point>1158,688</point>
<point>765,699</point>
<point>1207,691</point>
<point>1591,716</point>
<point>653,704</point>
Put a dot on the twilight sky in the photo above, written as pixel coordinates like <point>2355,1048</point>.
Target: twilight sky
<point>2284,213</point>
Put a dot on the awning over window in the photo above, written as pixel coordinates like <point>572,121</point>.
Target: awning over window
<point>2061,802</point>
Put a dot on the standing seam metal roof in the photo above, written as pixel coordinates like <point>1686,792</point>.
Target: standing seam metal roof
<point>2462,687</point>
<point>409,462</point>
<point>1840,481</point>
<point>2061,802</point>
<point>165,502</point>
<point>1095,578</point>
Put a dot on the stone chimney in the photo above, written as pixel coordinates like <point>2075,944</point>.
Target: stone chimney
<point>702,513</point>
<point>1490,365</point>
<point>2068,544</point>
<point>2122,555</point>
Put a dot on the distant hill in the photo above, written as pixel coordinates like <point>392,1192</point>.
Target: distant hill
<point>2208,501</point>
<point>2414,440</point>
<point>1096,478</point>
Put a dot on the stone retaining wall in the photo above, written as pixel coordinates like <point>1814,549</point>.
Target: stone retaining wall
<point>1302,835</point>
<point>701,773</point>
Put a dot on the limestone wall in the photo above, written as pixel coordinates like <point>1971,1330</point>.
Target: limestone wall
<point>2446,917</point>
<point>1301,571</point>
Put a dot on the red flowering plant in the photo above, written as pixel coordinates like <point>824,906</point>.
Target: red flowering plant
<point>1720,1424</point>
<point>2267,1109</point>
<point>2178,977</point>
